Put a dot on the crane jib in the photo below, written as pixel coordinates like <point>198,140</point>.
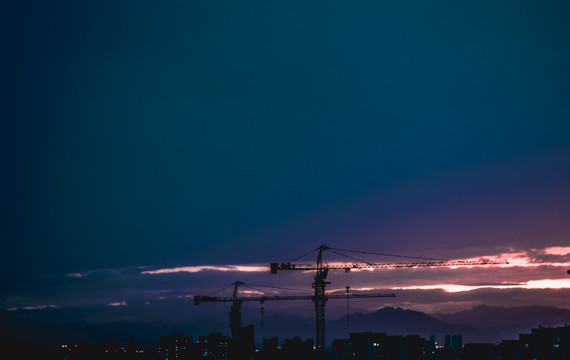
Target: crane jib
<point>198,298</point>
<point>303,267</point>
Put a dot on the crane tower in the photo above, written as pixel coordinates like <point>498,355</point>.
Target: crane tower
<point>321,271</point>
<point>235,313</point>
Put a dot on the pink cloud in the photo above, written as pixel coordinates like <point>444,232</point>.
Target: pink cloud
<point>195,269</point>
<point>76,275</point>
<point>122,303</point>
<point>557,250</point>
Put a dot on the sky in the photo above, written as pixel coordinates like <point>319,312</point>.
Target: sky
<point>209,138</point>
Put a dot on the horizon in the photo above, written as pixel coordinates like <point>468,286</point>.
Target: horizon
<point>532,274</point>
<point>472,325</point>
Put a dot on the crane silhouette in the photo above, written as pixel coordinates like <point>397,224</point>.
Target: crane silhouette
<point>237,301</point>
<point>235,311</point>
<point>321,272</point>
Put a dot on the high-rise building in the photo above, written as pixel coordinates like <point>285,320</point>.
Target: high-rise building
<point>270,349</point>
<point>297,349</point>
<point>176,346</point>
<point>213,347</point>
<point>242,344</point>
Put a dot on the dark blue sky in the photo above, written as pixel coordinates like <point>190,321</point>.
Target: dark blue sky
<point>227,132</point>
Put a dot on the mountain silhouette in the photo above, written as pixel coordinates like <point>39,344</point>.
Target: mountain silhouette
<point>485,316</point>
<point>395,321</point>
<point>482,324</point>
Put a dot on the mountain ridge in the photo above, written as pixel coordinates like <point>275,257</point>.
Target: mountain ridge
<point>480,324</point>
<point>484,316</point>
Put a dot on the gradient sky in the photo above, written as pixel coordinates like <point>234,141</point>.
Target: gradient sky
<point>143,136</point>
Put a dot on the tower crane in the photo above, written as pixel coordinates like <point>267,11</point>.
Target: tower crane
<point>235,313</point>
<point>321,271</point>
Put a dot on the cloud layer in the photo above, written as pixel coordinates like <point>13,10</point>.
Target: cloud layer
<point>535,276</point>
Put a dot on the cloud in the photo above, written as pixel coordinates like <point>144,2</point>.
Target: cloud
<point>195,269</point>
<point>537,284</point>
<point>37,307</point>
<point>557,250</point>
<point>76,275</point>
<point>555,256</point>
<point>121,303</point>
<point>532,276</point>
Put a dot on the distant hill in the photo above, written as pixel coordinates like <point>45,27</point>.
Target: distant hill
<point>481,324</point>
<point>485,316</point>
<point>502,323</point>
<point>395,321</point>
<point>15,328</point>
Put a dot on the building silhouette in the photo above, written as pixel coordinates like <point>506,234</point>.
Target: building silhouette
<point>541,343</point>
<point>213,347</point>
<point>481,352</point>
<point>297,349</point>
<point>176,346</point>
<point>271,349</point>
<point>453,347</point>
<point>242,345</point>
<point>341,349</point>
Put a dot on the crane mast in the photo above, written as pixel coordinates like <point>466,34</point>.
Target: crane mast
<point>321,272</point>
<point>235,313</point>
<point>320,300</point>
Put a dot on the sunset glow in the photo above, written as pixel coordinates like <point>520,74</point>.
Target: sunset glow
<point>537,284</point>
<point>514,259</point>
<point>533,270</point>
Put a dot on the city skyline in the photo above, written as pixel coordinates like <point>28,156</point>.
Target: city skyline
<point>540,342</point>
